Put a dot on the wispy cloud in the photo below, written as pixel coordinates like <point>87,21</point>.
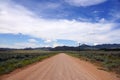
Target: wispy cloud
<point>47,41</point>
<point>49,5</point>
<point>84,3</point>
<point>57,44</point>
<point>24,45</point>
<point>116,15</point>
<point>17,19</point>
<point>32,41</point>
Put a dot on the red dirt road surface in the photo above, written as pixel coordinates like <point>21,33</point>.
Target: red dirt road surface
<point>62,67</point>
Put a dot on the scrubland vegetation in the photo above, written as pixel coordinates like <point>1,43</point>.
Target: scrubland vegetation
<point>109,60</point>
<point>13,59</point>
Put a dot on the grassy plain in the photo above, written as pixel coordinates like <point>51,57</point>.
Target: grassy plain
<point>13,59</point>
<point>108,60</point>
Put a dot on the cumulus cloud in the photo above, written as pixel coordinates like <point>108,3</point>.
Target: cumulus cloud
<point>16,19</point>
<point>84,3</point>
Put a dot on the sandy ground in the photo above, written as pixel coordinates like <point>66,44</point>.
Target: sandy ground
<point>62,67</point>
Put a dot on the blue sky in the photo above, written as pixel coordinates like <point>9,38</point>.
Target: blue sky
<point>51,23</point>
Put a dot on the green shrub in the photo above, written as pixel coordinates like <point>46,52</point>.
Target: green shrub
<point>109,59</point>
<point>11,61</point>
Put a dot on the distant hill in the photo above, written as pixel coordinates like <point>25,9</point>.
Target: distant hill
<point>5,49</point>
<point>106,47</point>
<point>88,47</point>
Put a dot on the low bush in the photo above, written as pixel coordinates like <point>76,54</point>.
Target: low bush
<point>11,61</point>
<point>110,60</point>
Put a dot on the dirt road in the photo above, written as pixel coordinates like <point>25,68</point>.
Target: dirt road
<point>62,67</point>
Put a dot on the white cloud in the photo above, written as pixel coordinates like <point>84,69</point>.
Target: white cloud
<point>49,5</point>
<point>21,45</point>
<point>25,45</point>
<point>97,11</point>
<point>48,41</point>
<point>84,19</point>
<point>57,44</point>
<point>84,3</point>
<point>17,19</point>
<point>115,14</point>
<point>32,41</point>
<point>102,20</point>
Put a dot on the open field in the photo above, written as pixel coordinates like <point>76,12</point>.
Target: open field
<point>61,67</point>
<point>53,68</point>
<point>108,60</point>
<point>13,59</point>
